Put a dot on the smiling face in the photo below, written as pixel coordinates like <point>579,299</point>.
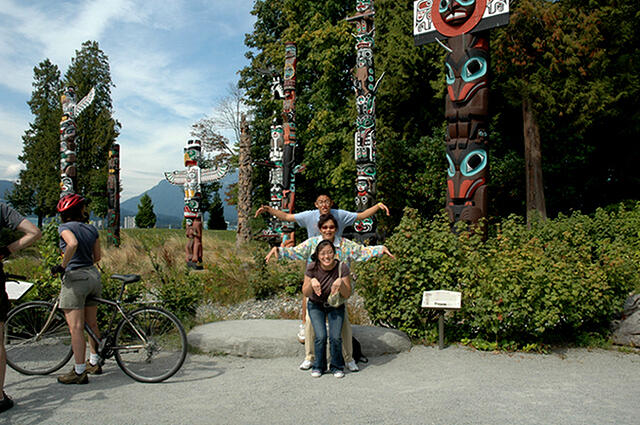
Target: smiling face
<point>328,230</point>
<point>323,204</point>
<point>326,257</point>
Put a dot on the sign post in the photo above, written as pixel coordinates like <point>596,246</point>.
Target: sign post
<point>441,300</point>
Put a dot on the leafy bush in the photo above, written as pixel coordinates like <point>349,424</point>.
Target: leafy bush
<point>266,280</point>
<point>558,280</point>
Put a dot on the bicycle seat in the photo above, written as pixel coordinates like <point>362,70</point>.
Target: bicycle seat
<point>126,278</point>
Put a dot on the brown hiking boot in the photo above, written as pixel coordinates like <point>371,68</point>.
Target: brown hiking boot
<point>95,369</point>
<point>73,378</point>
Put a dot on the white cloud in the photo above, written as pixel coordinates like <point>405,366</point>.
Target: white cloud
<point>170,61</point>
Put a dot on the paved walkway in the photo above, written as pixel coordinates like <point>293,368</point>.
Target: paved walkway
<point>425,385</point>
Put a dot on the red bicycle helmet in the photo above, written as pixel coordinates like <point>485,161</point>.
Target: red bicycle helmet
<point>69,201</point>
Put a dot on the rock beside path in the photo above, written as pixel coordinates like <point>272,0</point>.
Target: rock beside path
<point>264,338</point>
<point>627,330</point>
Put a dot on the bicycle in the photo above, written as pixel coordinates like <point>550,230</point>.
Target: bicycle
<point>149,343</point>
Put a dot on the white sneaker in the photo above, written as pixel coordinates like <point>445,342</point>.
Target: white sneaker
<point>338,374</point>
<point>352,366</point>
<point>316,374</point>
<point>301,334</point>
<point>305,365</point>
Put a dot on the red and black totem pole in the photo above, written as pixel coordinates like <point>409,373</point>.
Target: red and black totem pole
<point>68,132</point>
<point>464,24</point>
<point>113,196</point>
<point>365,86</point>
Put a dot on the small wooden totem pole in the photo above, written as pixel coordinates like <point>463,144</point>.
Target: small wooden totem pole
<point>191,179</point>
<point>113,194</point>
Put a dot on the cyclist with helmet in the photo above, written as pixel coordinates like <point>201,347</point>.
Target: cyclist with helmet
<point>80,279</point>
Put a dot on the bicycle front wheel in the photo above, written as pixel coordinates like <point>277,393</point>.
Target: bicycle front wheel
<point>36,345</point>
<point>151,345</point>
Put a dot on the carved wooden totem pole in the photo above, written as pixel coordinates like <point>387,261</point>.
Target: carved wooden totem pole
<point>68,132</point>
<point>464,24</point>
<point>113,194</point>
<point>191,179</point>
<point>282,158</point>
<point>365,86</point>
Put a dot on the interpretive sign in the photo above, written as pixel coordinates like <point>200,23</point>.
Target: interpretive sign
<point>449,300</point>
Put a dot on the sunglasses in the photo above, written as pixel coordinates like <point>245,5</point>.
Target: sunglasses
<point>327,227</point>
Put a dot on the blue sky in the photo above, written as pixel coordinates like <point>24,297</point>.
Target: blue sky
<point>171,63</point>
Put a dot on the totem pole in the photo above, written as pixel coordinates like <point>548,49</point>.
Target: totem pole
<point>365,86</point>
<point>191,180</point>
<point>68,131</point>
<point>465,25</point>
<point>282,159</point>
<point>289,168</point>
<point>113,194</point>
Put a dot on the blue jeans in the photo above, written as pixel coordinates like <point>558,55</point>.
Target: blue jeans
<point>319,313</point>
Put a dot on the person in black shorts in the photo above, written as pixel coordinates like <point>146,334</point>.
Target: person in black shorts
<point>11,219</point>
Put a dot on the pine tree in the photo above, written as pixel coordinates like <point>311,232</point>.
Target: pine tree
<point>145,218</point>
<point>38,188</point>
<point>96,128</point>
<point>216,214</point>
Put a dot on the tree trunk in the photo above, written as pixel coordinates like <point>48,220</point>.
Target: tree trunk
<point>533,163</point>
<point>244,184</point>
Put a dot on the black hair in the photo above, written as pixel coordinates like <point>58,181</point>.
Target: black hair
<point>322,244</point>
<point>327,217</point>
<point>74,214</point>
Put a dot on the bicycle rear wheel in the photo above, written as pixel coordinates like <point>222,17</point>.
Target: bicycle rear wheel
<point>151,346</point>
<point>32,349</point>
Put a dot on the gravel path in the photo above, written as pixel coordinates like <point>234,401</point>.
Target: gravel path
<point>424,386</point>
<point>278,307</point>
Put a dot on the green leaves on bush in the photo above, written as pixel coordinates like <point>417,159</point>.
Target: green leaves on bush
<point>559,279</point>
<point>266,280</point>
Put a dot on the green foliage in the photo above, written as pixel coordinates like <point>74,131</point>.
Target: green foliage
<point>38,186</point>
<point>559,279</point>
<point>216,214</point>
<point>145,218</point>
<point>268,280</point>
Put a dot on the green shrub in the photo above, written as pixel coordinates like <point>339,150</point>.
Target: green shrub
<point>266,280</point>
<point>558,280</point>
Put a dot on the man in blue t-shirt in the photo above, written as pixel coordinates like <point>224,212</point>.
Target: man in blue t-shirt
<point>309,220</point>
<point>11,219</point>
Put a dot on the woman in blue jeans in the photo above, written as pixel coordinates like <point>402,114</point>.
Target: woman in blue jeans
<point>324,276</point>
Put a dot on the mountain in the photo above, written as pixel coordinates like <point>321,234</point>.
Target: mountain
<point>168,203</point>
<point>5,186</point>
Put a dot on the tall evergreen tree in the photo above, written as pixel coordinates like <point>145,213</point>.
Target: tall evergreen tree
<point>145,218</point>
<point>38,188</point>
<point>216,214</point>
<point>96,128</point>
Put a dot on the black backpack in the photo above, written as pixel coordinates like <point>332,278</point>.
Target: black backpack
<point>357,351</point>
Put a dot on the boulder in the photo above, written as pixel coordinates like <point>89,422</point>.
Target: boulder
<point>628,331</point>
<point>264,338</point>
